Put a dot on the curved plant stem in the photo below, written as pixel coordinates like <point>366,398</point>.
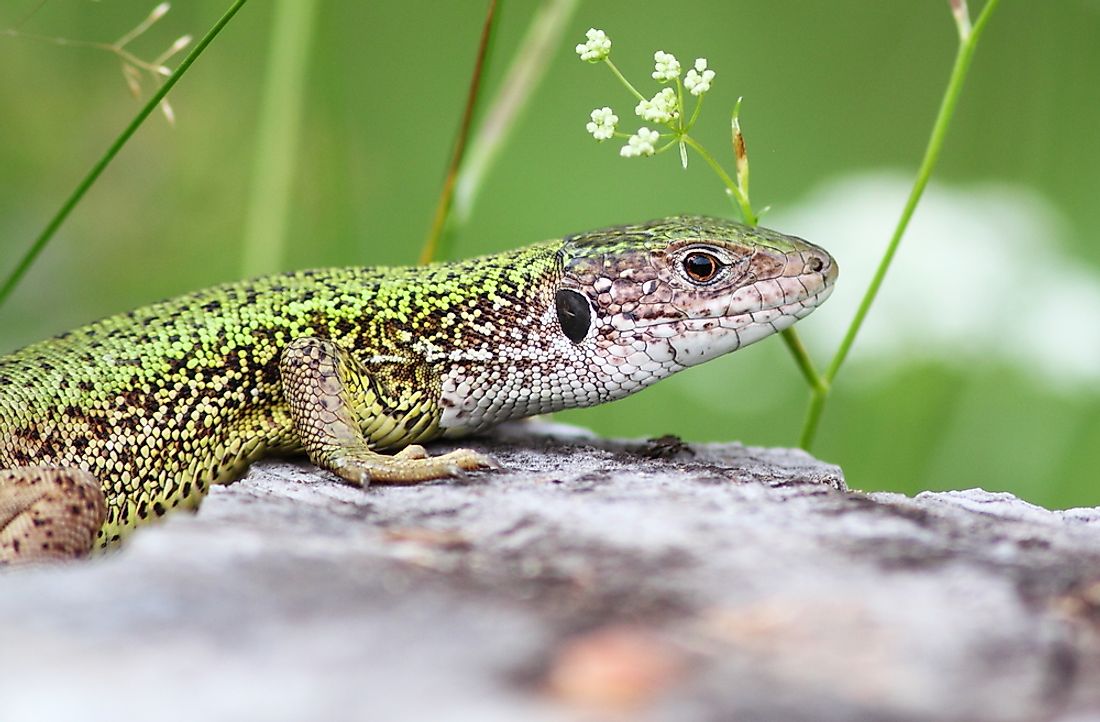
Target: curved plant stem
<point>731,187</point>
<point>967,45</point>
<point>623,80</point>
<point>802,357</point>
<point>813,416</point>
<point>71,202</point>
<point>430,251</point>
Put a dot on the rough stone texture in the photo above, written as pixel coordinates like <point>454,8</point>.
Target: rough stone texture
<point>591,580</point>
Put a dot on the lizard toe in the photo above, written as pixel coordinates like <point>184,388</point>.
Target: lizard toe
<point>412,451</point>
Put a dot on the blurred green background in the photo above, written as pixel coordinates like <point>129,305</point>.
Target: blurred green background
<point>832,90</point>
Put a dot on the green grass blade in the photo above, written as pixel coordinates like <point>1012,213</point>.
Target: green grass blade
<point>968,43</point>
<point>71,202</point>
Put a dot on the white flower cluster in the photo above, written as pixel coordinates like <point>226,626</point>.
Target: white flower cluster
<point>666,67</point>
<point>662,108</point>
<point>602,125</point>
<point>596,48</point>
<point>642,143</point>
<point>697,80</point>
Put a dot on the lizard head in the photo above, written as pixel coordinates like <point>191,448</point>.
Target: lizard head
<point>654,298</point>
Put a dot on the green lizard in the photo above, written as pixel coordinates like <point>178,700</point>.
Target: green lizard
<point>120,421</point>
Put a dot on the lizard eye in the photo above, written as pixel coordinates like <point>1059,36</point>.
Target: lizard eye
<point>701,267</point>
<point>574,314</point>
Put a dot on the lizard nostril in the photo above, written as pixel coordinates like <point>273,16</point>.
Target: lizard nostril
<point>816,264</point>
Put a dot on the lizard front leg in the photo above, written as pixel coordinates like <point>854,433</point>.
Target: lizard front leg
<point>48,513</point>
<point>330,398</point>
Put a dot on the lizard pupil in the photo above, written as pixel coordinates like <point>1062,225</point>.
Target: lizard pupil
<point>701,267</point>
<point>574,314</point>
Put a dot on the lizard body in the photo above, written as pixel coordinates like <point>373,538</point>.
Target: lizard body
<point>126,418</point>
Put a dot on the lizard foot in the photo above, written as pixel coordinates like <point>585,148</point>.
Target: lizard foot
<point>409,467</point>
<point>48,513</point>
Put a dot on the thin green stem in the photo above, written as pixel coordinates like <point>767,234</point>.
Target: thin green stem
<point>431,249</point>
<point>681,122</point>
<point>623,80</point>
<point>731,186</point>
<point>695,113</point>
<point>71,202</point>
<point>813,417</point>
<point>802,357</point>
<point>714,165</point>
<point>928,163</point>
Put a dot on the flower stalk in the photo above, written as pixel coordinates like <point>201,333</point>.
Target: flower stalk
<point>968,41</point>
<point>667,110</point>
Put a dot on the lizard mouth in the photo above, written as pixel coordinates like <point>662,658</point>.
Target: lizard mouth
<point>777,300</point>
<point>691,339</point>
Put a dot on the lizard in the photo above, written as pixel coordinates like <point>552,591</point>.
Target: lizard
<point>122,420</point>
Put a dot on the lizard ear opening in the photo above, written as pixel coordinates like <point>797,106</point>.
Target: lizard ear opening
<point>574,314</point>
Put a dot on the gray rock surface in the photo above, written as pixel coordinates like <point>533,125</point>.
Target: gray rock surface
<point>589,580</point>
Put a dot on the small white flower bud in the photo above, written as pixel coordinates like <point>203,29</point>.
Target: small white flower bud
<point>642,143</point>
<point>660,109</point>
<point>603,123</point>
<point>596,48</point>
<point>698,79</point>
<point>665,67</point>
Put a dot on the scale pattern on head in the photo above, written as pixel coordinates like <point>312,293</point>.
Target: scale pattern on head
<point>634,304</point>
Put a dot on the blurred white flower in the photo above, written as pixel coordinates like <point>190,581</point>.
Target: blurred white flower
<point>158,12</point>
<point>1006,289</point>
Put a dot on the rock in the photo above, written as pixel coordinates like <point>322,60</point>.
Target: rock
<point>589,579</point>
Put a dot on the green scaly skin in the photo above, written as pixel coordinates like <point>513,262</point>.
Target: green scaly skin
<point>119,421</point>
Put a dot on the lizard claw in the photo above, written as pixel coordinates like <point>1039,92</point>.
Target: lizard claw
<point>473,460</point>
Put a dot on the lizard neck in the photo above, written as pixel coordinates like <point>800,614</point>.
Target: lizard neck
<point>513,359</point>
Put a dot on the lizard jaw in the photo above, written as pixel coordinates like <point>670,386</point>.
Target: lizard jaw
<point>691,341</point>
